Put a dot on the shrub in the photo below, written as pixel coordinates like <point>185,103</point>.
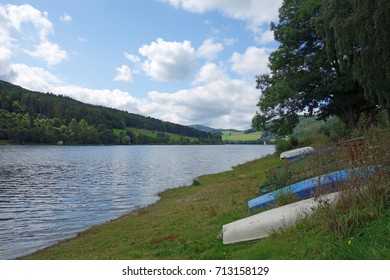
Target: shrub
<point>365,197</point>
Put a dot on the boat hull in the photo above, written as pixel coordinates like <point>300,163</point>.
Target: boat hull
<point>329,182</point>
<point>263,224</point>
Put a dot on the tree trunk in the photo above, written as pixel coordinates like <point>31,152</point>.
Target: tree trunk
<point>351,118</point>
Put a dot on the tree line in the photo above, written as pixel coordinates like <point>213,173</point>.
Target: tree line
<point>332,60</point>
<point>34,117</point>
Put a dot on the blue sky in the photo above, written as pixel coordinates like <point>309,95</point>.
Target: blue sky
<point>185,61</point>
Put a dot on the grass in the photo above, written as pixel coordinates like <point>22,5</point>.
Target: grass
<point>185,223</point>
<point>118,131</point>
<point>240,136</point>
<point>4,142</point>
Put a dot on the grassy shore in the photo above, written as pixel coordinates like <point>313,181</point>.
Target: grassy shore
<point>185,224</point>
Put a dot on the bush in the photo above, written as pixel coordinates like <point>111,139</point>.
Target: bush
<point>287,144</point>
<point>365,197</point>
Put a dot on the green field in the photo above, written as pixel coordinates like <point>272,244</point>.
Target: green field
<point>240,136</point>
<point>153,134</point>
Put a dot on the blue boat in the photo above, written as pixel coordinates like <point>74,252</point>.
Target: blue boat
<point>307,188</point>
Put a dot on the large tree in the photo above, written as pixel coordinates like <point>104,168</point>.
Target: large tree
<point>305,76</point>
<point>357,33</point>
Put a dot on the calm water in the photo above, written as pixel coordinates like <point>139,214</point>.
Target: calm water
<point>49,193</point>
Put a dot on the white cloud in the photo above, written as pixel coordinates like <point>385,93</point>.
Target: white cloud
<point>5,55</point>
<point>168,61</point>
<point>17,15</point>
<point>132,58</point>
<point>209,49</point>
<point>253,61</point>
<point>222,103</point>
<point>110,98</point>
<point>210,72</point>
<point>33,78</point>
<point>266,37</point>
<point>24,26</point>
<point>124,74</point>
<point>230,41</point>
<point>66,18</point>
<point>82,39</point>
<point>49,52</point>
<point>254,12</point>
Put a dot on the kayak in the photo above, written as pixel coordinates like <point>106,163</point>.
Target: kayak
<point>307,188</point>
<point>263,224</point>
<point>296,153</point>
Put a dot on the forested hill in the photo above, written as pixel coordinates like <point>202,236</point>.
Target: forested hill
<point>33,117</point>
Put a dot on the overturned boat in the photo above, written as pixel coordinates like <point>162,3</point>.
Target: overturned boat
<point>302,190</point>
<point>296,153</point>
<point>263,224</point>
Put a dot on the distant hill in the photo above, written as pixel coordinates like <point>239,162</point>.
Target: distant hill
<point>34,117</point>
<point>206,129</point>
<point>218,131</point>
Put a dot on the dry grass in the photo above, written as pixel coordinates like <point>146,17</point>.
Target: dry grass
<point>366,193</point>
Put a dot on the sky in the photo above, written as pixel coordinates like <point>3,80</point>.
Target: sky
<point>183,61</point>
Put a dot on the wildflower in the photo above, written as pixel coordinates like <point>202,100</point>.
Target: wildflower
<point>350,241</point>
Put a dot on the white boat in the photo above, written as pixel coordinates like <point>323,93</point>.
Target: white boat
<point>263,224</point>
<point>296,153</point>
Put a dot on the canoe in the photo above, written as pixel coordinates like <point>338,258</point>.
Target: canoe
<point>307,188</point>
<point>263,224</point>
<point>296,153</point>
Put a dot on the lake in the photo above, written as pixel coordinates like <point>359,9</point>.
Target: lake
<point>49,193</point>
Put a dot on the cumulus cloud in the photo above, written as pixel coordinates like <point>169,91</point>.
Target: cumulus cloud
<point>66,18</point>
<point>15,16</point>
<point>209,49</point>
<point>51,53</point>
<point>124,74</point>
<point>264,37</point>
<point>15,23</point>
<point>215,100</point>
<point>168,61</point>
<point>5,55</point>
<point>253,12</point>
<point>210,72</point>
<point>225,103</point>
<point>110,98</point>
<point>253,61</point>
<point>33,78</point>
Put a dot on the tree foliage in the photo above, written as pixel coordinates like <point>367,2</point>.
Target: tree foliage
<point>357,32</point>
<point>320,67</point>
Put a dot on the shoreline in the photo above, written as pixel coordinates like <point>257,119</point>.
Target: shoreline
<point>185,222</point>
<point>185,181</point>
<point>183,193</point>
